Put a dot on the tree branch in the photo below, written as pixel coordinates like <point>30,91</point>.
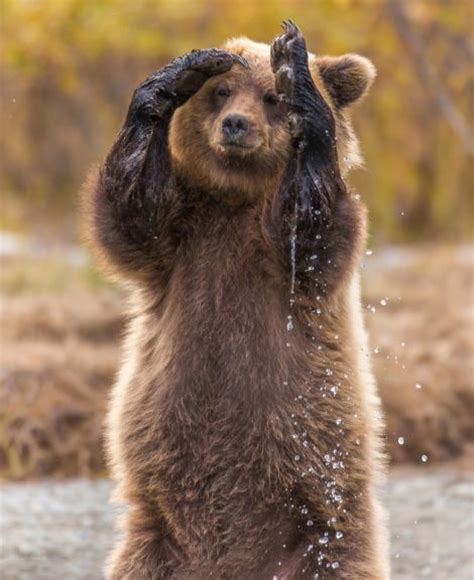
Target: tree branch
<point>427,75</point>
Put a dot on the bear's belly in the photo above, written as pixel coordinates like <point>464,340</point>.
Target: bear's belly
<point>212,461</point>
<point>230,411</point>
<point>220,507</point>
<point>224,503</point>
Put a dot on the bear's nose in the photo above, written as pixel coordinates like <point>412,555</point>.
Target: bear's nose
<point>235,126</point>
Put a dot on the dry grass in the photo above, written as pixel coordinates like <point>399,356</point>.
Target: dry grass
<point>60,352</point>
<point>58,360</point>
<point>424,344</point>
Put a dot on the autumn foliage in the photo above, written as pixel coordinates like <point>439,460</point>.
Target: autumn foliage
<point>69,68</point>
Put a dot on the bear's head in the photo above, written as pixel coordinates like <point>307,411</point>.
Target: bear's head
<point>232,135</point>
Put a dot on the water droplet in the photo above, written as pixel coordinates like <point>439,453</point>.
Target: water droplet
<point>383,302</point>
<point>297,457</point>
<point>339,535</point>
<point>310,523</point>
<point>335,565</point>
<point>368,252</point>
<point>418,386</point>
<point>424,458</point>
<point>289,325</point>
<point>401,440</point>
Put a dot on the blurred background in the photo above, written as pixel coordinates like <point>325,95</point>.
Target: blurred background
<point>68,70</point>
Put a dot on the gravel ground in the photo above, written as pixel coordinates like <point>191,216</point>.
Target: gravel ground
<point>51,531</point>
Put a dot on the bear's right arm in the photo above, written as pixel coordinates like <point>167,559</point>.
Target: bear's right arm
<point>134,200</point>
<point>314,221</point>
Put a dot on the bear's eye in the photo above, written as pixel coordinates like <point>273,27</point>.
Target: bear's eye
<point>223,92</point>
<point>270,99</point>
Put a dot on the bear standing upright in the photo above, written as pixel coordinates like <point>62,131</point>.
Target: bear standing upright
<point>244,425</point>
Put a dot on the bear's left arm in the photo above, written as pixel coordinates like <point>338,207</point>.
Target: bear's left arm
<point>134,204</point>
<point>314,220</point>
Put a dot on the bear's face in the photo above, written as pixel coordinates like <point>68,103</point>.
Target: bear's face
<point>245,120</point>
<point>232,135</point>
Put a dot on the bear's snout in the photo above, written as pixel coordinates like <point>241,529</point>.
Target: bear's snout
<point>234,127</point>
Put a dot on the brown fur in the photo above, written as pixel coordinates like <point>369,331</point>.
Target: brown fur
<point>244,449</point>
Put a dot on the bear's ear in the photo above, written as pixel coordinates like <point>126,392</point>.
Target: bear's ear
<point>347,78</point>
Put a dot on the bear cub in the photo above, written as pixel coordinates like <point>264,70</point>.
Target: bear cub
<point>244,426</point>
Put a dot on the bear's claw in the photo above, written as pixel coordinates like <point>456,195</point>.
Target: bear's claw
<point>212,61</point>
<point>288,53</point>
<point>309,112</point>
<point>165,90</point>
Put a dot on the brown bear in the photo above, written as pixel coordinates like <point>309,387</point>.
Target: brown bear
<point>244,426</point>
